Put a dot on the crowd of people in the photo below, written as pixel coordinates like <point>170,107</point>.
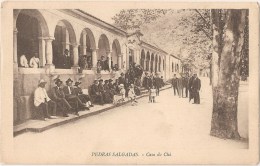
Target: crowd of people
<point>70,98</point>
<point>188,87</point>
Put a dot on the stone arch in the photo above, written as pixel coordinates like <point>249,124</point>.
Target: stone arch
<point>116,54</point>
<point>31,27</point>
<point>147,60</point>
<point>65,38</point>
<point>87,45</point>
<point>103,46</point>
<point>142,58</point>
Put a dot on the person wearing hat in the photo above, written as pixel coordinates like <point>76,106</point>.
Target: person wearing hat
<point>121,96</point>
<point>131,94</point>
<point>196,85</point>
<point>42,101</point>
<point>59,97</point>
<point>190,82</point>
<point>103,92</point>
<point>83,97</point>
<point>71,96</point>
<point>157,84</point>
<point>121,79</point>
<point>64,61</point>
<point>108,95</point>
<point>95,94</point>
<point>174,84</point>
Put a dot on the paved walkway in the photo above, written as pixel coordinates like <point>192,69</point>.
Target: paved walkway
<point>171,123</point>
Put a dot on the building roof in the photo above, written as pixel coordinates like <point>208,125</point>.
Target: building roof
<point>175,56</point>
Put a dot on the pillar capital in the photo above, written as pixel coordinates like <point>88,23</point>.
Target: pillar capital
<point>75,44</point>
<point>49,38</point>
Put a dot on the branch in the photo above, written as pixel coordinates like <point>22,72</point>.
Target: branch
<point>207,34</point>
<point>205,21</point>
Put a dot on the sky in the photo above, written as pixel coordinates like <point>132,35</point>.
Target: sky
<point>105,14</point>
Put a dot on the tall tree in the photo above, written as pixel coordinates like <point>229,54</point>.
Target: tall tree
<point>228,40</point>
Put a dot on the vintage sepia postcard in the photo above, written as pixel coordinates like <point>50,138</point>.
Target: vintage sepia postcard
<point>115,82</point>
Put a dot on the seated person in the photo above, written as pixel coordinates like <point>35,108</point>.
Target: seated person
<point>71,96</point>
<point>131,94</point>
<point>59,97</point>
<point>42,101</point>
<point>83,97</point>
<point>24,61</point>
<point>107,92</point>
<point>121,96</point>
<point>34,62</point>
<point>116,86</point>
<point>95,94</point>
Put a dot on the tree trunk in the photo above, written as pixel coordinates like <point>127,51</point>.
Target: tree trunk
<point>226,73</point>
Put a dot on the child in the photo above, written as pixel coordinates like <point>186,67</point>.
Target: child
<point>131,94</point>
<point>152,94</point>
<point>121,96</point>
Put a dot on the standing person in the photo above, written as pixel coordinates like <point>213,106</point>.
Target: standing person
<point>102,62</point>
<point>157,84</point>
<point>190,88</point>
<point>106,64</point>
<point>146,81</point>
<point>99,67</point>
<point>83,97</point>
<point>174,84</point>
<point>162,82</point>
<point>64,61</point>
<point>59,97</point>
<point>152,94</point>
<point>121,79</point>
<point>196,85</point>
<point>82,63</point>
<point>185,82</point>
<point>180,86</point>
<point>43,102</point>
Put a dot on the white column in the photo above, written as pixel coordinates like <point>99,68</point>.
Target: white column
<point>42,51</point>
<point>94,58</point>
<point>75,55</point>
<point>84,47</point>
<point>48,50</point>
<point>119,61</point>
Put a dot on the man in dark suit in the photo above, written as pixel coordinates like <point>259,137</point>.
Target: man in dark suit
<point>121,79</point>
<point>185,82</point>
<point>190,88</point>
<point>157,84</point>
<point>174,84</point>
<point>83,97</point>
<point>59,97</point>
<point>71,96</point>
<point>64,62</point>
<point>196,85</point>
<point>146,81</point>
<point>95,94</point>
